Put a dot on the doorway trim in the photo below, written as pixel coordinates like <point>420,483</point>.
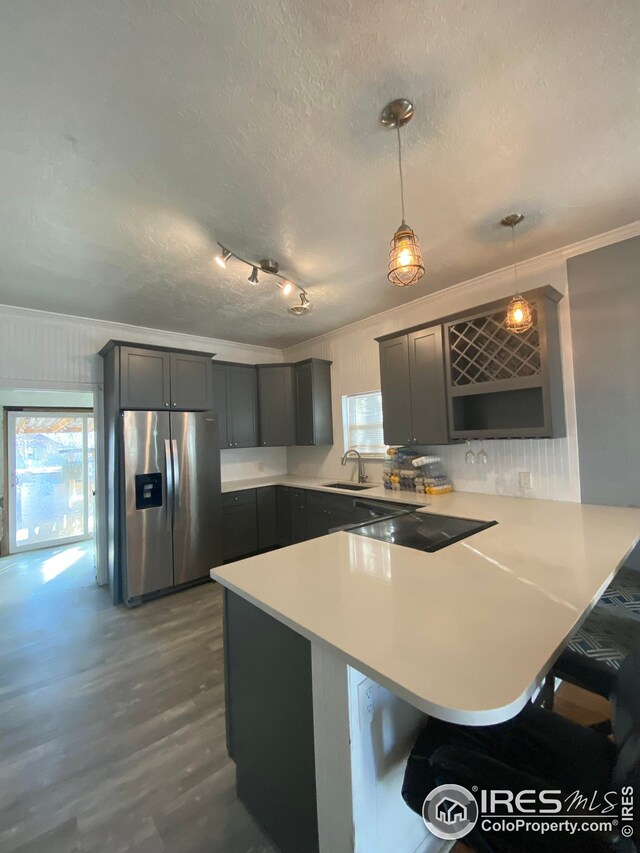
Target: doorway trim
<point>11,415</point>
<point>97,389</point>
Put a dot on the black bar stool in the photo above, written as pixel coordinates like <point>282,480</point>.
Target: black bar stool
<point>536,751</point>
<point>595,652</point>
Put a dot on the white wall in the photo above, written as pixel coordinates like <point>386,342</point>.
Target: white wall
<point>42,350</point>
<point>553,463</point>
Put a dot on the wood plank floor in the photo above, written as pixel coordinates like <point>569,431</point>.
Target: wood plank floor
<point>112,720</point>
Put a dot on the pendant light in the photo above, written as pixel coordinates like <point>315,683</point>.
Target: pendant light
<point>519,315</point>
<point>405,258</point>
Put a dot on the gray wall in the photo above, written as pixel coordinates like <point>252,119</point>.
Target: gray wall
<point>604,293</point>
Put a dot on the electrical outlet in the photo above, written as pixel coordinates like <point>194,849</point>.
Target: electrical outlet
<point>525,480</point>
<point>367,697</point>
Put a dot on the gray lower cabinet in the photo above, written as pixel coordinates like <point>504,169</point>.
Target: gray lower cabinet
<point>235,401</point>
<point>283,506</point>
<point>414,399</point>
<point>312,394</point>
<point>326,511</point>
<point>276,405</point>
<point>268,531</point>
<point>298,515</point>
<point>240,524</point>
<point>269,714</point>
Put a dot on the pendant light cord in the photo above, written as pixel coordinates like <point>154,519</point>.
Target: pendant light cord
<point>513,255</point>
<point>400,169</point>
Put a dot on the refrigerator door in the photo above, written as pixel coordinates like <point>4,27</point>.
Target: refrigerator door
<point>197,504</point>
<point>148,564</point>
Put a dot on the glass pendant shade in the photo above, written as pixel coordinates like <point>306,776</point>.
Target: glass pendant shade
<point>519,316</point>
<point>405,258</point>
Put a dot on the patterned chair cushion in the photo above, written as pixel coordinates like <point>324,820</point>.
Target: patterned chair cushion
<point>607,635</point>
<point>624,590</point>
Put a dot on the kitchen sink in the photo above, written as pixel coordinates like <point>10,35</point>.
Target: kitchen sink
<point>350,487</point>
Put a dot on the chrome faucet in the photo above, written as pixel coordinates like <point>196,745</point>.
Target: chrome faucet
<point>362,477</point>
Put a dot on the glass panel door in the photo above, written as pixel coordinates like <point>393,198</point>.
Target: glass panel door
<point>51,478</point>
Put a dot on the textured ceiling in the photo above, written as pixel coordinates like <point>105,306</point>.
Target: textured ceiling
<point>136,133</point>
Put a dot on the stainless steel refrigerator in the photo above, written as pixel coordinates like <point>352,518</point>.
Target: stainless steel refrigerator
<point>171,500</point>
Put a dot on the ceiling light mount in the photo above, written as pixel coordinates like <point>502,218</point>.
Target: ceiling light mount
<point>512,220</point>
<point>397,113</point>
<point>270,266</point>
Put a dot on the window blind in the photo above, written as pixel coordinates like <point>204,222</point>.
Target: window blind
<point>362,415</point>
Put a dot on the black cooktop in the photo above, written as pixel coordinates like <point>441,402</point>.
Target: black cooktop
<point>423,531</point>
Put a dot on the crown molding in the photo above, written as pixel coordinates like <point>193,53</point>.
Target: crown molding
<point>599,241</point>
<point>536,264</point>
<point>127,331</point>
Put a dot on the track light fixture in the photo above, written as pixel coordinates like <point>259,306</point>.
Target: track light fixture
<point>270,267</point>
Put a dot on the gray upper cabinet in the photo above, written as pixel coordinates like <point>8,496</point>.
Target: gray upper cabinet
<point>190,381</point>
<point>412,379</point>
<point>235,401</point>
<point>276,405</point>
<point>219,400</point>
<point>312,394</point>
<point>242,411</point>
<point>469,377</point>
<point>428,388</point>
<point>396,390</point>
<point>153,378</point>
<point>145,378</point>
<point>269,405</point>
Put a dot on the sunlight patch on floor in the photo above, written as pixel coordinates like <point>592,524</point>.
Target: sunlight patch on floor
<point>55,565</point>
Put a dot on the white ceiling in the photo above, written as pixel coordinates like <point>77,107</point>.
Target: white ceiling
<point>135,134</point>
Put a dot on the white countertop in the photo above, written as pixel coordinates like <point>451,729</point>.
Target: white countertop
<point>465,633</point>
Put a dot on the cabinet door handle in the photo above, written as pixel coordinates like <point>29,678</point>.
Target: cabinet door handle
<point>167,405</point>
<point>175,404</point>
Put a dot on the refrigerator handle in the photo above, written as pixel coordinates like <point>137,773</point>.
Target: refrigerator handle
<point>176,476</point>
<point>169,478</point>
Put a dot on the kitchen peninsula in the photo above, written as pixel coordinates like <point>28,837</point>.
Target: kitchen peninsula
<point>371,636</point>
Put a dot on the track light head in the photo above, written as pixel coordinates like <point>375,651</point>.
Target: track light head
<point>303,308</point>
<point>222,258</point>
<point>253,278</point>
<point>286,288</point>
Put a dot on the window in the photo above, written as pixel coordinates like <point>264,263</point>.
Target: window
<point>362,422</point>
